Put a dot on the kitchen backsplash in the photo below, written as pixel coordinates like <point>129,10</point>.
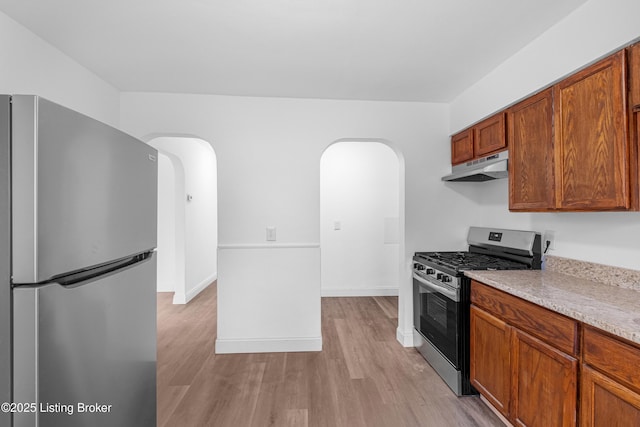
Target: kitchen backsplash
<point>610,275</point>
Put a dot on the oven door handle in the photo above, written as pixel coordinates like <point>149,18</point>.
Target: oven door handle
<point>440,289</point>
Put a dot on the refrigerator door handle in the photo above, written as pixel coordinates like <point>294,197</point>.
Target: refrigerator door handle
<point>87,276</point>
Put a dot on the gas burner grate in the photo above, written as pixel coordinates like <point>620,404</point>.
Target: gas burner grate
<point>460,261</point>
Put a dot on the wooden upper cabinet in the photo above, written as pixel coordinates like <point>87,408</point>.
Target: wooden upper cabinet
<point>634,76</point>
<point>572,147</point>
<point>531,158</point>
<point>592,145</point>
<point>633,55</point>
<point>480,140</point>
<point>489,135</point>
<point>462,147</point>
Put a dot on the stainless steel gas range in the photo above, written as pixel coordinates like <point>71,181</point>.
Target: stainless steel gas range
<point>441,295</point>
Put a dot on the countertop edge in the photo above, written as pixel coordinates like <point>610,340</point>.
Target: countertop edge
<point>612,309</point>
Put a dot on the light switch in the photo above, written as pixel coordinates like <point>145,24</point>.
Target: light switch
<point>337,225</point>
<point>271,234</point>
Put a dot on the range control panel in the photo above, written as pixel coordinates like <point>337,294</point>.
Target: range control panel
<point>495,236</point>
<point>435,275</point>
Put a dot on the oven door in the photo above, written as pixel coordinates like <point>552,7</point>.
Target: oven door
<point>437,316</point>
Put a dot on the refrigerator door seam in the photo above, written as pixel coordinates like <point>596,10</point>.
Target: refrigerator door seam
<point>24,183</point>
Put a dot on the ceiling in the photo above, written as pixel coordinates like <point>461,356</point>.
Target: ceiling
<point>395,50</point>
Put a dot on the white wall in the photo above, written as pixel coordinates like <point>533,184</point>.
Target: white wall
<point>32,66</point>
<point>359,189</point>
<point>593,30</point>
<point>168,278</point>
<point>269,158</point>
<point>196,163</point>
<point>268,152</point>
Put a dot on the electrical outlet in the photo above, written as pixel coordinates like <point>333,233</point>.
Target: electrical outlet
<point>548,236</point>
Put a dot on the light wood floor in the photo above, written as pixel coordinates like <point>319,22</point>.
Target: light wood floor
<point>362,377</point>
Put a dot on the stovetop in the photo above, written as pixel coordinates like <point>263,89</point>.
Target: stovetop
<point>462,261</point>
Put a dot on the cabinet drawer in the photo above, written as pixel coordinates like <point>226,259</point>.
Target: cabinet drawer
<point>616,358</point>
<point>553,328</point>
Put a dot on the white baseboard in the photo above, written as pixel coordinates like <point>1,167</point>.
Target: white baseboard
<point>201,286</point>
<point>181,298</point>
<point>270,246</point>
<point>272,345</point>
<point>404,338</point>
<point>360,292</point>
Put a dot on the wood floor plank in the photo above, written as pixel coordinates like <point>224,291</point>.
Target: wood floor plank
<point>363,376</point>
<point>168,398</point>
<point>351,350</point>
<point>389,305</point>
<point>296,382</point>
<point>296,418</point>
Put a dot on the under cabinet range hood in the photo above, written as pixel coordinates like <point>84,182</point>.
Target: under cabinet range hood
<point>483,169</point>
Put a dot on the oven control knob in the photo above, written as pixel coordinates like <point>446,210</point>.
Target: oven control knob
<point>430,271</point>
<point>418,266</point>
<point>439,276</point>
<point>446,278</point>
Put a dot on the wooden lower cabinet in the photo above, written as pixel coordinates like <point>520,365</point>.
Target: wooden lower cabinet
<point>490,366</point>
<point>545,383</point>
<point>610,380</point>
<point>525,379</point>
<point>524,359</point>
<point>605,402</point>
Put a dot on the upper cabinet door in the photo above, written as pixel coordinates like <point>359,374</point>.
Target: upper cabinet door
<point>634,76</point>
<point>634,121</point>
<point>530,134</point>
<point>592,146</point>
<point>462,147</point>
<point>489,135</point>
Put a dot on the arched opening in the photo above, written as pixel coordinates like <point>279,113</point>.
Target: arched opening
<point>362,219</point>
<point>170,223</point>
<point>187,216</point>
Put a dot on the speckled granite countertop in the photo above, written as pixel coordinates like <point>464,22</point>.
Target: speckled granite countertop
<point>613,309</point>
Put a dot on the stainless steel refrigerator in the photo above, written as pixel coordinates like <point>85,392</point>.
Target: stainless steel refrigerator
<point>78,286</point>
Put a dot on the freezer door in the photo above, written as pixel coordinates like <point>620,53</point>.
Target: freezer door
<point>83,194</point>
<point>93,344</point>
<point>5,264</point>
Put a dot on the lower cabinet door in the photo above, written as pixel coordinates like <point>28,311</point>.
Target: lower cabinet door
<point>544,382</point>
<point>605,402</point>
<point>490,373</point>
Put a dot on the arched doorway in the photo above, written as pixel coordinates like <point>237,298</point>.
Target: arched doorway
<point>187,216</point>
<point>362,219</point>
